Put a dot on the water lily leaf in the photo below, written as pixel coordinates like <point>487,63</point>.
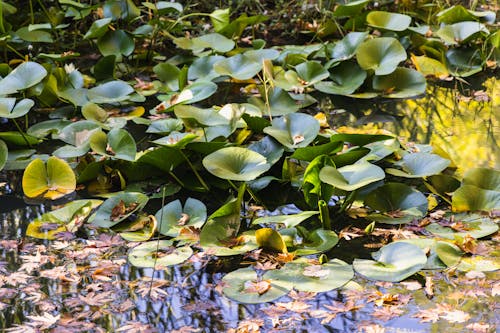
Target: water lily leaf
<point>118,208</point>
<point>116,42</point>
<point>388,21</point>
<point>393,262</point>
<point>66,219</point>
<point>311,152</point>
<point>345,79</point>
<point>359,139</point>
<point>311,72</point>
<point>138,230</point>
<point>453,256</point>
<point>50,181</point>
<point>164,158</point>
<point>485,178</point>
<point>193,93</point>
<point>236,163</point>
<point>243,285</point>
<point>268,148</point>
<point>176,140</point>
<point>449,253</point>
<point>351,177</point>
<point>165,126</point>
<point>473,198</point>
<point>158,254</point>
<point>94,112</point>
<point>346,47</point>
<point>429,66</point>
<point>312,187</point>
<point>202,117</point>
<point>442,185</point>
<point>110,92</point>
<point>169,74</point>
<point>463,62</point>
<point>98,28</point>
<point>9,109</point>
<point>294,130</point>
<point>474,225</point>
<point>417,165</point>
<point>280,103</point>
<point>24,76</point>
<point>381,55</point>
<point>118,143</point>
<point>289,221</point>
<point>172,218</point>
<point>396,203</point>
<point>270,239</point>
<point>307,276</point>
<point>458,13</point>
<point>428,245</point>
<point>461,32</point>
<point>42,129</point>
<point>4,152</point>
<point>35,36</point>
<point>350,9</point>
<point>214,41</point>
<point>203,67</point>
<point>78,133</point>
<point>315,242</point>
<point>244,66</point>
<point>402,83</point>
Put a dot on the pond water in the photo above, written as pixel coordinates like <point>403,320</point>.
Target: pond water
<point>187,298</point>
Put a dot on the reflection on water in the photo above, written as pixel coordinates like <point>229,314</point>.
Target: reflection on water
<point>467,128</point>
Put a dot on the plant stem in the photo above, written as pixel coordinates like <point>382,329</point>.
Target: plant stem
<point>21,132</point>
<point>198,176</point>
<point>348,201</point>
<point>324,215</point>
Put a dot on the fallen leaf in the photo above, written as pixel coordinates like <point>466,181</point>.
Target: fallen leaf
<point>259,287</point>
<point>316,271</point>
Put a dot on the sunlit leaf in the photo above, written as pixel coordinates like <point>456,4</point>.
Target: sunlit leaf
<point>158,254</point>
<point>417,165</point>
<point>382,55</point>
<point>173,217</point>
<point>351,177</point>
<point>118,208</point>
<point>236,163</point>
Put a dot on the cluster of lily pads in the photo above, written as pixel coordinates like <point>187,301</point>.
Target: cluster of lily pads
<point>259,148</point>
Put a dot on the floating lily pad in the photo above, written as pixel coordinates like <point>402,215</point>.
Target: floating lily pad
<point>351,8</point>
<point>158,254</point>
<point>173,217</point>
<point>453,256</point>
<point>236,163</point>
<point>294,130</point>
<point>474,225</point>
<point>165,126</point>
<point>66,219</point>
<point>461,32</point>
<point>388,21</point>
<point>280,103</point>
<point>270,239</point>
<point>289,221</point>
<point>118,208</point>
<point>463,62</point>
<point>458,13</point>
<point>197,117</point>
<point>485,178</point>
<point>396,203</point>
<point>138,230</point>
<point>110,92</point>
<point>429,66</point>
<point>118,143</point>
<point>417,165</point>
<point>345,79</point>
<point>268,148</point>
<point>317,241</point>
<point>473,198</point>
<point>243,285</point>
<point>311,72</point>
<point>346,47</point>
<point>393,262</point>
<point>9,109</point>
<point>402,83</point>
<point>244,66</point>
<point>381,55</point>
<point>428,245</point>
<point>116,42</point>
<point>50,181</point>
<point>307,276</point>
<point>214,41</point>
<point>351,177</point>
<point>22,77</point>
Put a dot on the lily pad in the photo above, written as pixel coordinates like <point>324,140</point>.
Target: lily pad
<point>396,203</point>
<point>289,221</point>
<point>382,55</point>
<point>402,83</point>
<point>244,66</point>
<point>244,286</point>
<point>346,47</point>
<point>453,256</point>
<point>158,254</point>
<point>118,208</point>
<point>428,245</point>
<point>50,181</point>
<point>280,103</point>
<point>172,218</point>
<point>388,21</point>
<point>461,32</point>
<point>294,130</point>
<point>110,92</point>
<point>118,143</point>
<point>473,198</point>
<point>309,276</point>
<point>9,109</point>
<point>236,163</point>
<point>270,239</point>
<point>418,165</point>
<point>138,230</point>
<point>351,177</point>
<point>463,62</point>
<point>317,241</point>
<point>24,76</point>
<point>474,225</point>
<point>485,178</point>
<point>346,78</point>
<point>393,262</point>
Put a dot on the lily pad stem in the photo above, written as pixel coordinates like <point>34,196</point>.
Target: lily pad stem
<point>21,132</point>
<point>348,201</point>
<point>324,215</point>
<point>176,178</point>
<point>198,176</point>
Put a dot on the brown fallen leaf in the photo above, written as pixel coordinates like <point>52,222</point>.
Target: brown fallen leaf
<point>259,287</point>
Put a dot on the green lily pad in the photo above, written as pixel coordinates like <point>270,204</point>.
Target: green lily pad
<point>308,276</point>
<point>66,219</point>
<point>346,78</point>
<point>268,148</point>
<point>4,152</point>
<point>463,62</point>
<point>244,66</point>
<point>214,41</point>
<point>98,28</point>
<point>442,185</point>
<point>350,9</point>
<point>388,21</point>
<point>381,55</point>
<point>289,221</point>
<point>165,126</point>
<point>138,230</point>
<point>359,139</point>
<point>474,225</point>
<point>453,256</point>
<point>110,92</point>
<point>196,117</point>
<point>116,42</point>
<point>118,208</point>
<point>176,140</point>
<point>280,103</point>
<point>243,285</point>
<point>418,165</point>
<point>94,112</point>
<point>50,181</point>
<point>429,66</point>
<point>158,254</point>
<point>458,13</point>
<point>236,163</point>
<point>294,130</point>
<point>393,262</point>
<point>9,109</point>
<point>192,93</point>
<point>42,129</point>
<point>309,153</point>
<point>118,143</point>
<point>203,67</point>
<point>402,83</point>
<point>24,76</point>
<point>473,198</point>
<point>351,177</point>
<point>317,241</point>
<point>461,32</point>
<point>485,178</point>
<point>173,217</point>
<point>346,47</point>
<point>429,246</point>
<point>396,203</point>
<point>311,72</point>
<point>270,239</point>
